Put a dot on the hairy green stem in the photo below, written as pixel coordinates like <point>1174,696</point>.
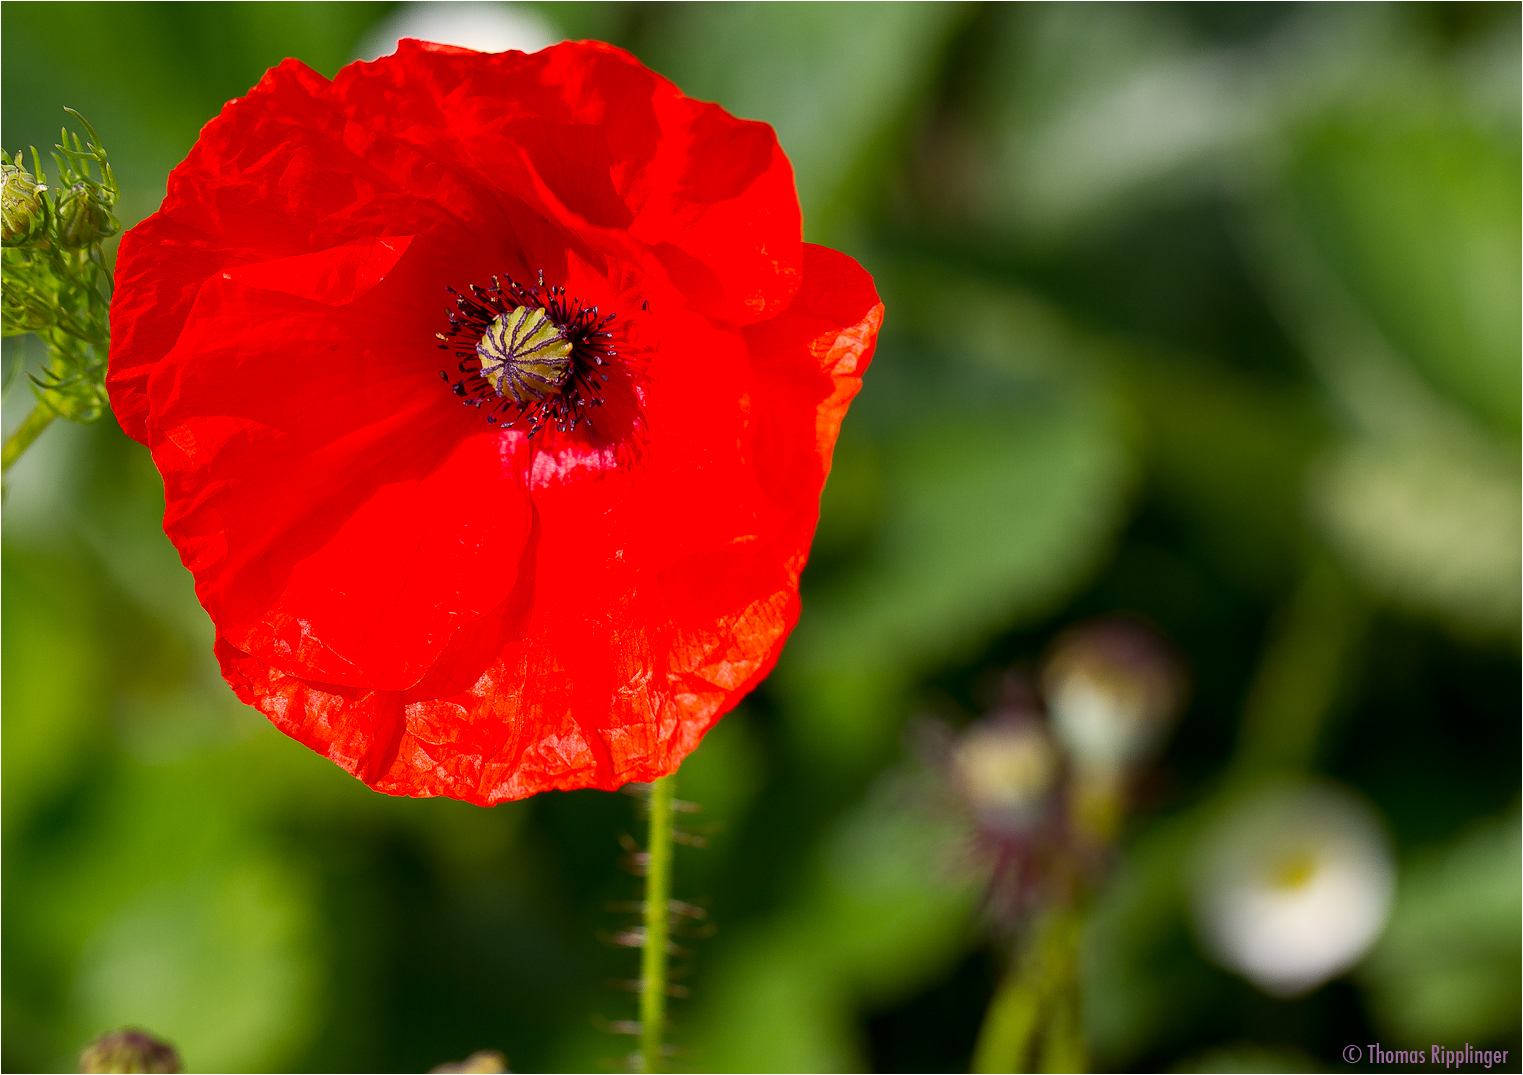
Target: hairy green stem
<point>658,894</point>
<point>28,431</point>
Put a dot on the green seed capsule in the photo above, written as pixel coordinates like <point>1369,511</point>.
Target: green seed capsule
<point>524,355</point>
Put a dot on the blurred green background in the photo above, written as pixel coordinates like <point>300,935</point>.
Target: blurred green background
<point>1204,312</point>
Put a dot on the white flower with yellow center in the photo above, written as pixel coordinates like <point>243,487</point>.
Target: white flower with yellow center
<point>1293,886</point>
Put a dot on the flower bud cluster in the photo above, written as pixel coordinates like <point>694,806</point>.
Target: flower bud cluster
<point>1044,777</point>
<point>23,208</point>
<point>55,275</point>
<point>1291,882</point>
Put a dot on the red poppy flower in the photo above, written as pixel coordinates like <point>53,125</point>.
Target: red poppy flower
<point>493,397</point>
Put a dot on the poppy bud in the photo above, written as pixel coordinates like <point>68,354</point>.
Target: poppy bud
<point>129,1050</point>
<point>84,216</point>
<point>21,206</point>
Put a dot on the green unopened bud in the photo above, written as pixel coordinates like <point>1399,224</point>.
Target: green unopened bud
<point>129,1050</point>
<point>22,213</point>
<point>84,216</point>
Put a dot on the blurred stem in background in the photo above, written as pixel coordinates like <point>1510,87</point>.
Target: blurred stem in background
<point>1311,643</point>
<point>1033,1022</point>
<point>658,892</point>
<point>29,430</point>
<point>56,278</point>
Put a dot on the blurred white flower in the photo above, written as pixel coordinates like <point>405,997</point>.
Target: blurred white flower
<point>1112,691</point>
<point>1005,767</point>
<point>485,27</point>
<point>1293,886</point>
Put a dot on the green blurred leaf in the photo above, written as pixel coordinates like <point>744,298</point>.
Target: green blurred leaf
<point>992,514</point>
<point>1429,524</point>
<point>141,893</point>
<point>1387,251</point>
<point>1447,969</point>
<point>894,900</point>
<point>1230,454</point>
<point>173,910</point>
<point>219,963</point>
<point>1088,107</point>
<point>885,908</point>
<point>985,474</point>
<point>1417,210</point>
<point>772,1004</point>
<point>53,687</point>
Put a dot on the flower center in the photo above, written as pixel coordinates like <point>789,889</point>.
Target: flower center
<point>531,356</point>
<point>524,355</point>
<point>1294,870</point>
